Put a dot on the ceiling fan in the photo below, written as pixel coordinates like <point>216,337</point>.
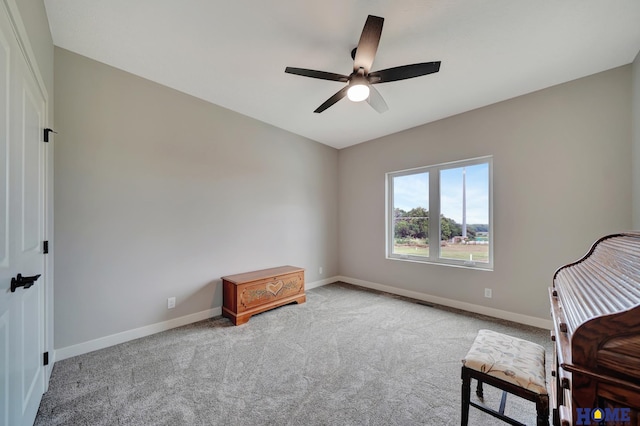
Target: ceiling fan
<point>360,82</point>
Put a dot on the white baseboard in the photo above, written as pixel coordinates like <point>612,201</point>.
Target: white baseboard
<point>136,333</point>
<point>315,284</point>
<point>492,312</point>
<point>125,336</point>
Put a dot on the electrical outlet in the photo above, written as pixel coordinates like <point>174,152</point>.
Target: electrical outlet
<point>320,270</point>
<point>171,303</point>
<point>487,293</point>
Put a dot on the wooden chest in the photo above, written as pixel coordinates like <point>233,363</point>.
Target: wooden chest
<point>250,293</point>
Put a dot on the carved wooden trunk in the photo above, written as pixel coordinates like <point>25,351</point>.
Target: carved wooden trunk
<point>250,293</point>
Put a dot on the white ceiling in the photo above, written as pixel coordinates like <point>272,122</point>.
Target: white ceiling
<point>233,52</point>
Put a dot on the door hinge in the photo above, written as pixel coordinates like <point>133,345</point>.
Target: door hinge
<point>45,358</point>
<point>46,134</point>
<point>45,247</point>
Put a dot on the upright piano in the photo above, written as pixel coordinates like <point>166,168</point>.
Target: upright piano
<point>595,307</point>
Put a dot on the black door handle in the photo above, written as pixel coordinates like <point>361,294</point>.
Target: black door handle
<point>20,281</point>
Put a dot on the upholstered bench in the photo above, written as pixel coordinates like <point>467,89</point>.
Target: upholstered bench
<point>510,364</point>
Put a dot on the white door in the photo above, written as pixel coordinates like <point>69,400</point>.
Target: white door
<point>22,118</point>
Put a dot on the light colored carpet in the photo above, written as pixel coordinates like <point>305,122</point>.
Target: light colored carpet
<point>348,356</point>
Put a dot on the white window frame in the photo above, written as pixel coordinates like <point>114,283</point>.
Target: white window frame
<point>434,212</point>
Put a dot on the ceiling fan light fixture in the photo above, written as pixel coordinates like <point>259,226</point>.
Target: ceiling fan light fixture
<point>360,82</point>
<point>358,92</point>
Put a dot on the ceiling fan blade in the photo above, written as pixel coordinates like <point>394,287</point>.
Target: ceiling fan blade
<point>403,72</point>
<point>323,75</point>
<point>368,44</point>
<point>376,101</point>
<point>332,100</point>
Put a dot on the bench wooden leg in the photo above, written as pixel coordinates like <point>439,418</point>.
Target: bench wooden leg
<point>542,409</point>
<point>466,396</point>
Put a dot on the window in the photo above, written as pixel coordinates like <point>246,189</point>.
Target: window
<point>459,195</point>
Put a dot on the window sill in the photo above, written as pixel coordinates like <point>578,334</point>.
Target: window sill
<point>476,266</point>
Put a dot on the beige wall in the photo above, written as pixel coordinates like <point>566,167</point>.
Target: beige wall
<point>562,178</point>
<point>159,194</point>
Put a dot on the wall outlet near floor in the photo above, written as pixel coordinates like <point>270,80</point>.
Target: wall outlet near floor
<point>171,303</point>
<point>320,270</point>
<point>487,293</point>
